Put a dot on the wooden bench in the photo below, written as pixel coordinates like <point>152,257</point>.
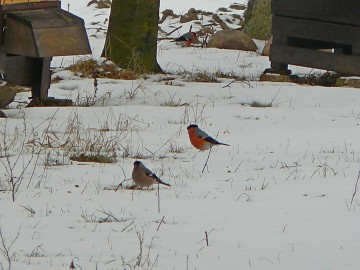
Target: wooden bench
<point>301,29</point>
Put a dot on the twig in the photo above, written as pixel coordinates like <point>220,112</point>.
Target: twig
<point>355,190</point>
<point>177,28</point>
<point>120,185</point>
<point>206,162</point>
<point>238,166</point>
<point>271,102</point>
<point>132,222</point>
<point>206,238</point>
<point>5,248</point>
<point>158,196</point>
<point>228,85</point>
<point>162,220</point>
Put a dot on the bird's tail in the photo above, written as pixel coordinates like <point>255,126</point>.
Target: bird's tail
<point>166,184</point>
<point>213,141</point>
<point>219,143</point>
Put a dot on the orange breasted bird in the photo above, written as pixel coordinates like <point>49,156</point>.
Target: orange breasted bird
<point>200,139</point>
<point>186,39</point>
<point>143,177</point>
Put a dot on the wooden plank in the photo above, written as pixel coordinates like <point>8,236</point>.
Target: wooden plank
<point>45,33</point>
<point>61,41</point>
<point>30,6</point>
<point>346,11</point>
<point>19,39</point>
<point>46,18</point>
<point>347,64</point>
<point>316,30</point>
<point>2,2</point>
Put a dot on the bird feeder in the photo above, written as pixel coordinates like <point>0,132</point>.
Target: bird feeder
<point>321,34</point>
<point>32,32</point>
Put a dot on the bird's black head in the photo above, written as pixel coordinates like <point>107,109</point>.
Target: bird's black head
<point>137,163</point>
<point>192,126</point>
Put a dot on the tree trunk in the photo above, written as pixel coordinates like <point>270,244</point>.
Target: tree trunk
<point>131,40</point>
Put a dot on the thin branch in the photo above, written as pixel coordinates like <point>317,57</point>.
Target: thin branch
<point>206,162</point>
<point>120,185</point>
<point>158,186</point>
<point>228,85</point>
<point>5,249</point>
<point>162,220</point>
<point>177,28</point>
<point>355,190</point>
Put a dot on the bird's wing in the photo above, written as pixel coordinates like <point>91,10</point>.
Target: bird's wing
<point>154,176</point>
<point>150,173</point>
<point>181,39</point>
<point>211,140</point>
<point>184,37</point>
<point>201,134</point>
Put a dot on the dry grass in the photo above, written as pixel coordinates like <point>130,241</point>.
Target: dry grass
<point>327,79</point>
<point>93,158</point>
<point>203,76</point>
<point>105,69</point>
<point>85,144</point>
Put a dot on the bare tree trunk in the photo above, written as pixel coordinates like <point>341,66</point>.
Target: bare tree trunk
<point>131,40</point>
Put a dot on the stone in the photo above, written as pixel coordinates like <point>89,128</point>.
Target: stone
<point>266,49</point>
<point>166,13</point>
<point>7,95</point>
<point>191,15</point>
<point>268,77</point>
<point>233,40</point>
<point>348,82</point>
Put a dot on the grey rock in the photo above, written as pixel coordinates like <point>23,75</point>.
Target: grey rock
<point>232,39</point>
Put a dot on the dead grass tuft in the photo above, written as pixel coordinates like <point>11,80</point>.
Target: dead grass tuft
<point>93,158</point>
<point>326,79</point>
<point>105,69</point>
<point>203,76</point>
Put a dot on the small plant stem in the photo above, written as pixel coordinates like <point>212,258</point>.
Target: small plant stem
<point>158,197</point>
<point>177,28</point>
<point>206,162</point>
<point>162,220</point>
<point>355,190</point>
<point>206,238</point>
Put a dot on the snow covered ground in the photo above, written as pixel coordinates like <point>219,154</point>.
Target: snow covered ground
<point>282,196</point>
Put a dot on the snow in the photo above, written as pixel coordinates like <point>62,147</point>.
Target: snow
<point>282,196</point>
<point>182,7</point>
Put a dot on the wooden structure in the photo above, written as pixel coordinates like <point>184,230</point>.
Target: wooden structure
<point>301,29</point>
<point>33,31</point>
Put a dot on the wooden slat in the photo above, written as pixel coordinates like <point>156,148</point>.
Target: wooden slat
<point>316,30</point>
<point>317,59</point>
<point>45,33</point>
<point>7,2</point>
<point>341,11</point>
<point>30,5</point>
<point>46,18</point>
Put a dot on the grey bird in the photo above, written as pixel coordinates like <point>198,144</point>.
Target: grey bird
<point>143,177</point>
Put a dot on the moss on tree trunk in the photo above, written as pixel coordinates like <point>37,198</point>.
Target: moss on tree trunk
<point>131,40</point>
